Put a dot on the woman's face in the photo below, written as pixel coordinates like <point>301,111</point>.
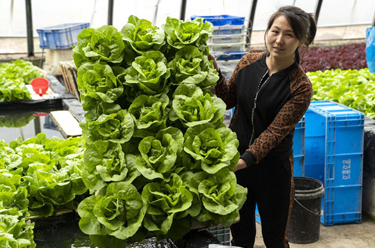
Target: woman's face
<point>281,40</point>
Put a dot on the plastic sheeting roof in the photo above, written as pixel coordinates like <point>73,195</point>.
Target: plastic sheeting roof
<point>48,13</point>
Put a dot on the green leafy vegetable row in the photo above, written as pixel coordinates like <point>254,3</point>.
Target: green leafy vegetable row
<point>16,230</point>
<point>353,88</point>
<point>50,170</point>
<point>13,80</point>
<point>158,154</point>
<point>37,177</point>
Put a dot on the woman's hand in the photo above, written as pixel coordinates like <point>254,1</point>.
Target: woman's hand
<point>211,57</point>
<point>240,165</point>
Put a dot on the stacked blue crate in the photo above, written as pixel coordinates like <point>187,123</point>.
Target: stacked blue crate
<point>298,155</point>
<point>227,43</point>
<point>334,155</point>
<point>60,36</point>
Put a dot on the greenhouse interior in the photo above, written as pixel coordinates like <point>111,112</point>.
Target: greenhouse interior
<point>122,123</point>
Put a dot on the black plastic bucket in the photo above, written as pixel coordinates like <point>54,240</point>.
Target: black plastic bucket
<point>304,225</point>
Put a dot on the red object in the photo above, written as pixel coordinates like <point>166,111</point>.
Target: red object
<point>40,85</point>
<point>40,114</point>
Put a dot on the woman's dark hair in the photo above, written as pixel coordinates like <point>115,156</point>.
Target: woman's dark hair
<point>302,23</point>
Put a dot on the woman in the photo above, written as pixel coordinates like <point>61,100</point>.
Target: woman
<point>271,93</point>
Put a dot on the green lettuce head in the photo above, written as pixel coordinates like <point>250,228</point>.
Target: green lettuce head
<point>190,66</point>
<point>185,33</point>
<point>167,206</point>
<point>118,213</point>
<point>97,82</point>
<point>150,114</point>
<point>105,162</point>
<point>148,74</point>
<point>215,148</point>
<point>103,44</point>
<point>159,153</point>
<point>142,36</point>
<point>221,196</point>
<point>192,107</point>
<point>113,124</point>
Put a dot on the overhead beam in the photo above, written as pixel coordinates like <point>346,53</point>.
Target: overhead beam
<point>29,26</point>
<point>110,12</point>
<point>251,21</point>
<point>183,10</point>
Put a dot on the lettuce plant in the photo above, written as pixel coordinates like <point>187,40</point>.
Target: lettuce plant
<point>220,195</point>
<point>149,74</point>
<point>97,82</point>
<point>185,33</point>
<point>142,36</point>
<point>113,124</point>
<point>118,212</point>
<point>105,162</point>
<point>214,148</point>
<point>150,114</point>
<point>190,66</point>
<point>192,107</point>
<point>159,153</point>
<point>99,45</point>
<point>167,205</point>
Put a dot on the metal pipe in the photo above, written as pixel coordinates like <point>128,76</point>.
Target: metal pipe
<point>251,21</point>
<point>110,12</point>
<point>183,10</point>
<point>317,10</point>
<point>29,25</point>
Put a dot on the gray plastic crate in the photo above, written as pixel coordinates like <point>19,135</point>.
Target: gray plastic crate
<point>222,234</point>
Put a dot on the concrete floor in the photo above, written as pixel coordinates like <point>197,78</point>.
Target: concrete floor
<point>338,236</point>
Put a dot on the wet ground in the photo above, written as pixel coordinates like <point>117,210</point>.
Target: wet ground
<point>338,236</point>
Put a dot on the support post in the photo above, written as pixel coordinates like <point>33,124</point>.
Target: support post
<point>251,21</point>
<point>317,10</point>
<point>29,25</point>
<point>110,12</point>
<point>183,10</point>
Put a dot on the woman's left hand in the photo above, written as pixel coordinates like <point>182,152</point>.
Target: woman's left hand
<point>240,165</point>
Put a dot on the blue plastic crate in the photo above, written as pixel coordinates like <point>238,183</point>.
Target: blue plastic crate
<point>229,30</point>
<point>229,55</point>
<point>299,138</point>
<point>221,20</point>
<point>60,36</point>
<point>334,155</point>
